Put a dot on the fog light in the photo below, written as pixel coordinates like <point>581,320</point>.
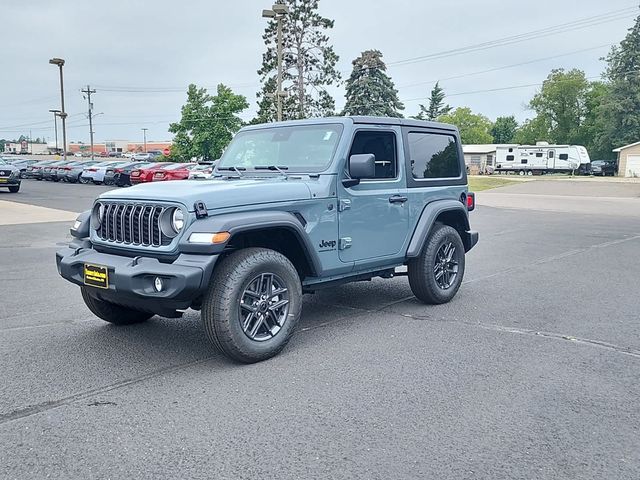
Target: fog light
<point>157,284</point>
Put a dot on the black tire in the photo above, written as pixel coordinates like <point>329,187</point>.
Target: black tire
<point>15,189</point>
<point>222,313</point>
<point>424,270</point>
<point>83,181</point>
<point>97,183</point>
<point>112,313</point>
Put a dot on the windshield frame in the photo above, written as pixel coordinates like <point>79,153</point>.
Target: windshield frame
<point>338,127</point>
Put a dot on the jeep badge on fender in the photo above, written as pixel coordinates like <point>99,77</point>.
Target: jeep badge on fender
<point>244,246</point>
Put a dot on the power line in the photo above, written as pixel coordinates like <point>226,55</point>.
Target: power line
<point>495,69</point>
<point>535,34</point>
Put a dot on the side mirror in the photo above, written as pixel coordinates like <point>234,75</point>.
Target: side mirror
<point>362,166</point>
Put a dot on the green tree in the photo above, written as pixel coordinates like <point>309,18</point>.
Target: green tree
<point>207,124</point>
<point>504,129</point>
<point>309,64</point>
<point>369,90</point>
<point>621,107</point>
<point>593,132</point>
<point>562,101</point>
<point>474,128</point>
<point>532,131</point>
<point>436,107</point>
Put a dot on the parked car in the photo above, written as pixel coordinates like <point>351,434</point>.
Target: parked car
<point>177,171</point>
<point>201,172</point>
<point>47,171</point>
<point>112,171</point>
<point>604,167</point>
<point>22,164</point>
<point>143,175</point>
<point>35,170</point>
<point>324,202</point>
<point>144,157</point>
<point>59,173</point>
<point>9,176</point>
<point>97,172</point>
<point>122,175</point>
<point>73,172</point>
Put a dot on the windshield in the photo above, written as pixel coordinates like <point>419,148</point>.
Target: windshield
<point>299,148</point>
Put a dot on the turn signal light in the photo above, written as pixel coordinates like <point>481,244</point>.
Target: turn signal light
<point>209,238</point>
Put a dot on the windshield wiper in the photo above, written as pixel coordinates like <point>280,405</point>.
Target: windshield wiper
<point>279,168</point>
<point>238,170</point>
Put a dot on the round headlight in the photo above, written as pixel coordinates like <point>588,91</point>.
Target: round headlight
<point>97,215</point>
<point>177,220</point>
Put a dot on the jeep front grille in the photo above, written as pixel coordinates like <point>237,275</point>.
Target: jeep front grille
<point>133,224</point>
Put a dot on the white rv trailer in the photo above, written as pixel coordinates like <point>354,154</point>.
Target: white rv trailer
<point>541,158</point>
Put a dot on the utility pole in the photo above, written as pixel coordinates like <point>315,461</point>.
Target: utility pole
<point>88,92</point>
<point>278,11</point>
<point>144,136</point>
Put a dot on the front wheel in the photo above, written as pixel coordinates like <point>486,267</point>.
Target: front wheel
<point>15,189</point>
<point>436,274</point>
<point>253,304</point>
<point>112,313</point>
<point>84,180</point>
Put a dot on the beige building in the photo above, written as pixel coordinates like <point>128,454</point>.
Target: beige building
<point>481,158</point>
<point>629,160</point>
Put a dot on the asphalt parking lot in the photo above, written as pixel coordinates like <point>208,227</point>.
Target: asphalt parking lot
<point>533,371</point>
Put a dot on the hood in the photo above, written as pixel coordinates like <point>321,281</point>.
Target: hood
<point>217,193</point>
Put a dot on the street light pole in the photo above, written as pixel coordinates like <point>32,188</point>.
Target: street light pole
<point>63,115</point>
<point>144,136</point>
<point>278,11</point>
<point>55,126</point>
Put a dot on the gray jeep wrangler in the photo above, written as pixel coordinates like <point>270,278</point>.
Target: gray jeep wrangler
<point>294,207</point>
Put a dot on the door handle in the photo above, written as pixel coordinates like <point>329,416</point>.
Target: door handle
<point>397,199</point>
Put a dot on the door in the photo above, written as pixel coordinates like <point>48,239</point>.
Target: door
<point>373,219</point>
<point>633,166</point>
<point>551,158</point>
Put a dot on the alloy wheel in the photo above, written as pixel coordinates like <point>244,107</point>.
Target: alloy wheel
<point>264,307</point>
<point>445,269</point>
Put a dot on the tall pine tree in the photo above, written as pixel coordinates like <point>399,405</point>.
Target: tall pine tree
<point>621,108</point>
<point>309,64</point>
<point>370,91</point>
<point>436,107</point>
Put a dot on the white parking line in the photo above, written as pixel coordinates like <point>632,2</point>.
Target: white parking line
<point>12,213</point>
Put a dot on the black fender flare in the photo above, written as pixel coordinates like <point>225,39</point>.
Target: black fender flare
<point>428,217</point>
<point>235,223</point>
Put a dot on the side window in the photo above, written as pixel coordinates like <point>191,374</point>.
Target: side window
<point>539,154</point>
<point>383,146</point>
<point>433,155</point>
<point>524,160</point>
<point>551,153</point>
<point>563,156</point>
<point>510,158</point>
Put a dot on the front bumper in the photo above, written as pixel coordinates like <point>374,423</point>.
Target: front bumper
<point>131,280</point>
<point>9,181</point>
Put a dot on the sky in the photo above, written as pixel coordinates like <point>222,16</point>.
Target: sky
<point>140,56</point>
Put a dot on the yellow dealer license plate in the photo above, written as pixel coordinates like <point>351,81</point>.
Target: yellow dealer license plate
<point>3,180</point>
<point>96,275</point>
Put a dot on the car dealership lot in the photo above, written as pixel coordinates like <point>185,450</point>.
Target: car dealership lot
<point>532,371</point>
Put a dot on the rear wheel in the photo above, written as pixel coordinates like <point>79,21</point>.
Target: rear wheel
<point>253,304</point>
<point>112,313</point>
<point>436,274</point>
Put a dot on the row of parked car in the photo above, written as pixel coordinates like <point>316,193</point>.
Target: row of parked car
<point>111,172</point>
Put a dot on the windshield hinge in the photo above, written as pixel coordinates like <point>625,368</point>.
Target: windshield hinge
<point>201,209</point>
